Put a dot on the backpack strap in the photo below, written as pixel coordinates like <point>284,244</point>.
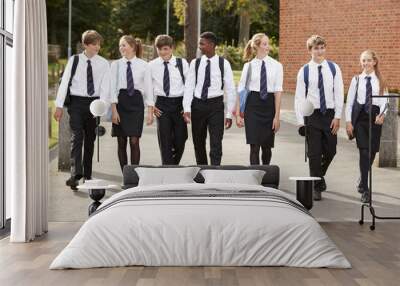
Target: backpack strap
<point>355,111</point>
<point>306,73</point>
<point>179,65</point>
<point>333,71</point>
<point>221,68</point>
<point>221,62</point>
<point>356,95</point>
<point>332,68</point>
<point>196,67</point>
<point>73,70</point>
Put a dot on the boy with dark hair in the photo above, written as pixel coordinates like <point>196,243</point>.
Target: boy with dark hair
<point>209,77</point>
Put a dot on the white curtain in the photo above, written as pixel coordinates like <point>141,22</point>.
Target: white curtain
<point>26,123</point>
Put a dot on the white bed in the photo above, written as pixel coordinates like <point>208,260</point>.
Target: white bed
<point>264,229</point>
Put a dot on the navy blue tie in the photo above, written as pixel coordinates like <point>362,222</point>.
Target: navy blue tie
<point>207,82</point>
<point>166,83</point>
<point>89,78</point>
<point>322,102</point>
<point>263,82</point>
<point>368,95</point>
<point>129,80</point>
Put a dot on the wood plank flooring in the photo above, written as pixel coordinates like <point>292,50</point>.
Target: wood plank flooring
<point>375,257</point>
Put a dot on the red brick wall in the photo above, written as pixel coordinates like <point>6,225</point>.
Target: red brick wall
<point>349,27</point>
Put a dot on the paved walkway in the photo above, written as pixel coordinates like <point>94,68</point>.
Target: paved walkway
<point>340,203</point>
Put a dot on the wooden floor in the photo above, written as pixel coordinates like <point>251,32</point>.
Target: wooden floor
<point>375,257</point>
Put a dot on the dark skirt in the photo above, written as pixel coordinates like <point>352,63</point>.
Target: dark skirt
<point>131,114</point>
<point>258,118</point>
<point>361,130</point>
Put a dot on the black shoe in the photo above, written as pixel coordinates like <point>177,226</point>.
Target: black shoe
<point>365,197</point>
<point>72,183</point>
<point>360,189</point>
<point>323,184</point>
<point>317,196</point>
<point>320,185</point>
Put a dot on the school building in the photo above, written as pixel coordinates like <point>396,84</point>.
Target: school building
<point>349,27</point>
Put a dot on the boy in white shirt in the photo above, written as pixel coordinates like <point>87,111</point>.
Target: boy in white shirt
<point>168,75</point>
<point>320,82</point>
<point>86,78</point>
<point>208,78</point>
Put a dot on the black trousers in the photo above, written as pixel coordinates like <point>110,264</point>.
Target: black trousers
<point>171,130</point>
<point>208,114</point>
<point>364,168</point>
<point>321,143</point>
<point>83,133</point>
<point>361,130</point>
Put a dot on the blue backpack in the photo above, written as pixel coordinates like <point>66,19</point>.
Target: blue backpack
<point>306,72</point>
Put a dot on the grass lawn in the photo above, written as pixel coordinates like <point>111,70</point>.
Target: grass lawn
<point>53,76</point>
<point>54,69</point>
<point>236,76</point>
<point>53,139</point>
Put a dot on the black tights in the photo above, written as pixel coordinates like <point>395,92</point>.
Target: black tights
<point>364,167</point>
<point>255,154</point>
<point>135,151</point>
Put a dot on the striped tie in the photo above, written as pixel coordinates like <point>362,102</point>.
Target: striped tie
<point>322,102</point>
<point>207,82</point>
<point>368,95</point>
<point>166,83</point>
<point>129,80</point>
<point>263,82</point>
<point>89,78</point>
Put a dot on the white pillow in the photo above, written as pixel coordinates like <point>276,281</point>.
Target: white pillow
<point>166,176</point>
<point>248,177</point>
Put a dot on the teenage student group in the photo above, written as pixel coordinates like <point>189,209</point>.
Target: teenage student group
<point>177,93</point>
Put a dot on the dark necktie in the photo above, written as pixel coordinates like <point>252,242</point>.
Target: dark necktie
<point>129,80</point>
<point>166,83</point>
<point>322,102</point>
<point>89,77</point>
<point>263,82</point>
<point>207,82</point>
<point>368,95</point>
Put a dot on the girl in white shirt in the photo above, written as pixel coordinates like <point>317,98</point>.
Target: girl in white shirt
<point>131,88</point>
<point>261,115</point>
<point>363,86</point>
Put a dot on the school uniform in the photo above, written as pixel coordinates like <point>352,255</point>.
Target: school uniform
<point>90,82</point>
<point>362,87</point>
<point>168,89</point>
<point>325,91</point>
<point>265,80</point>
<point>204,98</point>
<point>131,88</point>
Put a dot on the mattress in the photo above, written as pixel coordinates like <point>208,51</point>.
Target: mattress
<point>201,225</point>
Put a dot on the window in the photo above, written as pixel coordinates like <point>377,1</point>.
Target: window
<point>9,15</point>
<point>6,43</point>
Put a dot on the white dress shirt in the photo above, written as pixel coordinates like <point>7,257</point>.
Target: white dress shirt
<point>334,100</point>
<point>100,72</point>
<point>274,75</point>
<point>191,89</point>
<point>141,75</point>
<point>362,92</point>
<point>177,87</point>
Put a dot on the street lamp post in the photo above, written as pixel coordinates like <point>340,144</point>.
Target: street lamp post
<point>198,52</point>
<point>69,28</point>
<point>168,17</point>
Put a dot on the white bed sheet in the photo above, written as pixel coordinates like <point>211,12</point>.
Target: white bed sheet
<point>200,232</point>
